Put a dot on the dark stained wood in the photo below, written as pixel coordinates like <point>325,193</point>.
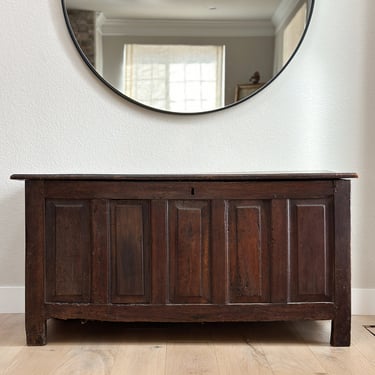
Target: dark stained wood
<point>189,248</point>
<point>341,324</point>
<point>180,190</point>
<point>311,251</point>
<point>284,176</point>
<point>248,237</point>
<point>189,252</point>
<point>195,313</point>
<point>130,255</point>
<point>279,254</point>
<point>68,248</point>
<point>100,278</point>
<point>35,314</point>
<point>219,263</point>
<point>159,252</point>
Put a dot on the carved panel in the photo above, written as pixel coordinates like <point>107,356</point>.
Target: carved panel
<point>311,250</point>
<point>189,251</point>
<point>67,251</point>
<point>248,242</point>
<point>130,252</point>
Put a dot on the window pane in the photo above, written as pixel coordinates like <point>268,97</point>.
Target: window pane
<point>177,91</point>
<point>176,72</point>
<point>193,90</point>
<point>193,72</point>
<point>209,71</point>
<point>208,91</point>
<point>179,77</point>
<point>143,72</point>
<point>159,71</point>
<point>293,32</point>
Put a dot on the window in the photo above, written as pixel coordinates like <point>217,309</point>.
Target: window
<point>175,77</point>
<point>293,32</point>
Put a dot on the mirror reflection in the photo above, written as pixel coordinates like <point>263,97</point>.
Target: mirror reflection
<point>187,56</point>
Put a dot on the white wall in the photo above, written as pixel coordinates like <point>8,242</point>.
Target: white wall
<point>57,118</point>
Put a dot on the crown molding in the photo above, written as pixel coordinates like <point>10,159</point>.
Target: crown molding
<point>283,12</point>
<point>181,28</point>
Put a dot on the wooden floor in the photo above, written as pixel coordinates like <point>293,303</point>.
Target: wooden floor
<point>98,348</point>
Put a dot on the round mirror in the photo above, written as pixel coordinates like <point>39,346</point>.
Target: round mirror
<point>194,56</point>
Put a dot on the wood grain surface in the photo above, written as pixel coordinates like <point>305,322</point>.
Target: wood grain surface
<point>263,348</point>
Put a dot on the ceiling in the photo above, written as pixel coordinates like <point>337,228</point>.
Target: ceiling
<point>181,9</point>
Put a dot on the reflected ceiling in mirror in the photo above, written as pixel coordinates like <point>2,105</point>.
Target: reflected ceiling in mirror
<point>192,56</point>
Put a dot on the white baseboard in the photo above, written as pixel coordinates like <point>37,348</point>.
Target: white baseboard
<point>363,301</point>
<point>12,300</point>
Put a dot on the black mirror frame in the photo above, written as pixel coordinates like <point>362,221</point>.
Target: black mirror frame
<point>310,8</point>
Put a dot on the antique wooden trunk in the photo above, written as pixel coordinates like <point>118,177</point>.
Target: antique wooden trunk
<point>188,248</point>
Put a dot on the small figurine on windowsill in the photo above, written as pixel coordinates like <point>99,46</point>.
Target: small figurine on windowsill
<point>255,78</point>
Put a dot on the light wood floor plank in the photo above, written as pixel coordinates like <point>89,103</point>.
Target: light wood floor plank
<point>245,359</point>
<point>185,349</point>
<point>335,360</point>
<point>35,360</point>
<point>90,360</point>
<point>283,349</point>
<point>12,338</point>
<point>292,359</point>
<point>140,359</point>
<point>7,357</point>
<point>191,358</point>
<point>12,330</point>
<point>363,340</point>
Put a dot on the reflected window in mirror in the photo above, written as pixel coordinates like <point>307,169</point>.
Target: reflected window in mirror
<point>259,36</point>
<point>293,32</point>
<point>289,32</point>
<point>178,78</point>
